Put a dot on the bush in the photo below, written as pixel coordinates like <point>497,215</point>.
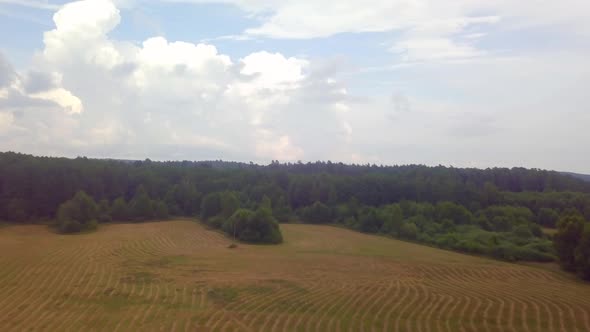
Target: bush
<point>70,226</point>
<point>255,227</point>
<point>215,222</point>
<point>78,214</point>
<point>522,232</point>
<point>409,230</point>
<point>369,221</point>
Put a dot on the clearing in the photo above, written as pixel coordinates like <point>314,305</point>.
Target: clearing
<point>179,276</point>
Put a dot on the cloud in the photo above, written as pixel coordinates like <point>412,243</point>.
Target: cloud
<point>7,73</point>
<point>422,30</point>
<point>6,120</point>
<point>434,49</point>
<point>312,19</point>
<point>449,101</point>
<point>31,4</point>
<point>160,97</point>
<point>38,81</point>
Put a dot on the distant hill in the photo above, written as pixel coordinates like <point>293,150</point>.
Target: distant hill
<point>585,177</point>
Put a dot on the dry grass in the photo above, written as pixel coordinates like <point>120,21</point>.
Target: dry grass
<point>549,231</point>
<point>177,276</point>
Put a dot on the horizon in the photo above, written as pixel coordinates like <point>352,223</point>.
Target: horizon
<point>467,84</point>
<point>293,162</point>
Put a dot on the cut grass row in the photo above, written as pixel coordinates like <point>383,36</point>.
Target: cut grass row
<point>179,276</point>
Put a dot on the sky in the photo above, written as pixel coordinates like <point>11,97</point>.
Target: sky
<point>467,83</point>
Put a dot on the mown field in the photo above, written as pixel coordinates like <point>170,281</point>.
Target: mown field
<point>178,276</point>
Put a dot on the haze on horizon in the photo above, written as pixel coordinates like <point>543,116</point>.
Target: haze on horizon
<point>463,83</point>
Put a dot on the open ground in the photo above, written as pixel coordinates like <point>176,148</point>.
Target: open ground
<point>179,276</point>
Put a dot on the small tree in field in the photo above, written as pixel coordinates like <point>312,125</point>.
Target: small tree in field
<point>78,214</point>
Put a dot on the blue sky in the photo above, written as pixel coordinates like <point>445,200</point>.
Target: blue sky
<point>464,83</point>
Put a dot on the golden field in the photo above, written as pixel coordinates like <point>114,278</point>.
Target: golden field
<point>179,276</point>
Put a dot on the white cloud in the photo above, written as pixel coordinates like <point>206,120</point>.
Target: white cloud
<point>310,18</point>
<point>63,98</point>
<point>6,120</point>
<point>157,97</point>
<point>31,4</point>
<point>277,147</point>
<point>434,49</point>
<point>426,30</point>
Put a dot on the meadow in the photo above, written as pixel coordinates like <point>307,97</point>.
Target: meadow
<point>180,276</point>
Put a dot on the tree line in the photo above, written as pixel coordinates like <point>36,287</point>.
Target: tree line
<point>497,212</point>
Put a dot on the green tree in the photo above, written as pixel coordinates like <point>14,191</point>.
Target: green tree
<point>317,213</point>
<point>457,213</point>
<point>369,221</point>
<point>160,210</point>
<point>265,203</point>
<point>582,254</point>
<point>393,218</point>
<point>77,214</point>
<point>210,206</point>
<point>237,221</point>
<point>409,230</point>
<point>523,232</point>
<point>281,210</point>
<point>547,217</point>
<point>120,210</point>
<point>141,205</point>
<point>256,227</point>
<point>230,203</point>
<point>569,233</point>
<point>104,211</point>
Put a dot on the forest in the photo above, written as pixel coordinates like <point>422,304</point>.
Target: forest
<point>496,212</point>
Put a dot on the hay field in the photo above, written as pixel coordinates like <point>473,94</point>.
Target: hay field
<point>178,276</point>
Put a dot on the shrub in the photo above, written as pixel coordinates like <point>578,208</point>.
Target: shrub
<point>78,214</point>
<point>256,227</point>
<point>409,230</point>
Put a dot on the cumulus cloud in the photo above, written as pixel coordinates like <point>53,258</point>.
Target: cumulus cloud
<point>159,96</point>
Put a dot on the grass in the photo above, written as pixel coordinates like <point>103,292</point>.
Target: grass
<point>180,276</point>
<point>549,231</point>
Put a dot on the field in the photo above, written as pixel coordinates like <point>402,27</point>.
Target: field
<point>178,276</point>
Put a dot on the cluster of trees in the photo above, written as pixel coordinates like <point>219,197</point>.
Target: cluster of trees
<point>82,213</point>
<point>225,211</point>
<point>504,232</point>
<point>494,212</point>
